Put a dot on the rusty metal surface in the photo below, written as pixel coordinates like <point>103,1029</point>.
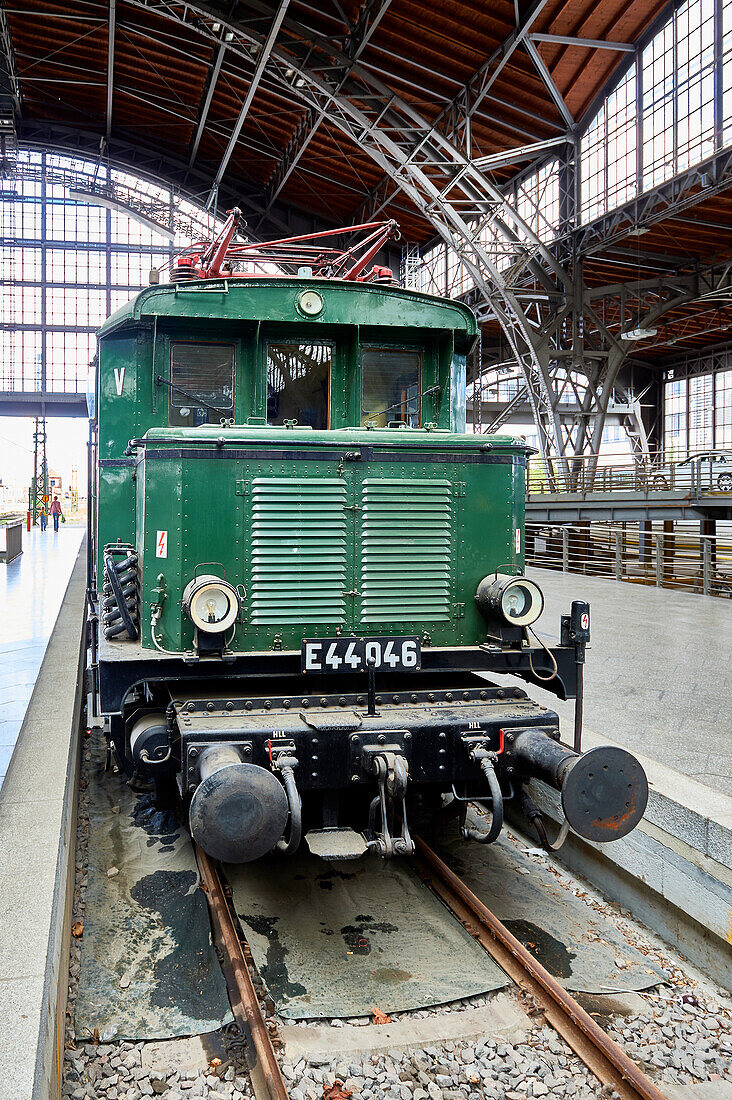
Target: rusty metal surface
<point>578,945</point>
<point>263,1065</point>
<point>608,1062</point>
<point>148,967</point>
<point>334,939</point>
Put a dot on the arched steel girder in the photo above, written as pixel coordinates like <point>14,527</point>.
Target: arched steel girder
<point>439,177</point>
<point>680,291</point>
<point>597,355</point>
<point>147,163</point>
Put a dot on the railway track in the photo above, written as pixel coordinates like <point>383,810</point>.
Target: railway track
<point>603,1057</point>
<point>609,1063</point>
<point>264,1067</point>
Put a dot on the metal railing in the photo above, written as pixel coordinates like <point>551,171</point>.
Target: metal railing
<point>694,475</point>
<point>628,552</point>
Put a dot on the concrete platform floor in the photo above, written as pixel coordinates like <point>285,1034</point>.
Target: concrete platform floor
<point>31,590</point>
<point>658,677</point>
<point>37,823</point>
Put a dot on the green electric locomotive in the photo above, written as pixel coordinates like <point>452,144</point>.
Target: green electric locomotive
<point>304,571</point>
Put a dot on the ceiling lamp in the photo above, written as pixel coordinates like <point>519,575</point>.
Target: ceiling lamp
<point>638,333</point>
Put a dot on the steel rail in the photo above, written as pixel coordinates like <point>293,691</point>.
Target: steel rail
<point>264,1068</point>
<point>610,1064</point>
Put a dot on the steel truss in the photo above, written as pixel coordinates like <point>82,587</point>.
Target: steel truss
<point>191,184</point>
<point>10,101</point>
<point>604,314</point>
<point>710,361</point>
<point>670,199</point>
<point>38,491</point>
<point>430,162</point>
<point>562,335</point>
<point>558,337</point>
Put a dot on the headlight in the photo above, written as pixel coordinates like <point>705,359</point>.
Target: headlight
<point>515,600</point>
<point>211,603</point>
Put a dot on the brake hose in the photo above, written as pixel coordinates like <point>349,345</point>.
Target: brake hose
<point>496,807</point>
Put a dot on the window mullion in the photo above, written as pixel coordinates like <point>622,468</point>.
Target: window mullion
<point>718,87</point>
<point>675,91</point>
<point>638,121</point>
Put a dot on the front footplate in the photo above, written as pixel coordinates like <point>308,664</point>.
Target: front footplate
<point>391,768</point>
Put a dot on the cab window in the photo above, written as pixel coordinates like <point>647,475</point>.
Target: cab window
<point>201,383</point>
<point>298,383</point>
<point>391,383</point>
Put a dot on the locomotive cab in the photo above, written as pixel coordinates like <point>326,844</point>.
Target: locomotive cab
<point>307,570</point>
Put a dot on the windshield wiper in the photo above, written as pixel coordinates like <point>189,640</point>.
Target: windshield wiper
<point>418,397</point>
<point>194,400</point>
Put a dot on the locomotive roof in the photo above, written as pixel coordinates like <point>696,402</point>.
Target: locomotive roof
<point>274,299</point>
<point>438,439</point>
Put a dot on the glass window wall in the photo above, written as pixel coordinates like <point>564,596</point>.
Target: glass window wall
<point>66,262</point>
<point>660,119</point>
<point>698,406</point>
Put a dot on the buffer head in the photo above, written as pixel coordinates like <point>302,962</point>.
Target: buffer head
<point>238,813</point>
<point>604,793</point>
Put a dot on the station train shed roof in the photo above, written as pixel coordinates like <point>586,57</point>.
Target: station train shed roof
<point>171,78</point>
<point>430,112</point>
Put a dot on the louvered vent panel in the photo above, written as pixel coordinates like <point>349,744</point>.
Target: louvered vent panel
<point>299,551</point>
<point>406,551</point>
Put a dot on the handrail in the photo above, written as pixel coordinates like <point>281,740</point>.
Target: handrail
<point>636,553</point>
<point>693,475</point>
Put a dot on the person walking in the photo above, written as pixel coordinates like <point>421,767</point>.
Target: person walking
<point>43,517</point>
<point>55,512</point>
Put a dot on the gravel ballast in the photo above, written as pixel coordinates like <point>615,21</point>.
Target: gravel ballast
<point>681,1035</point>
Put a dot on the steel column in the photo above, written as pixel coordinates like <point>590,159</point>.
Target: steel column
<point>110,63</point>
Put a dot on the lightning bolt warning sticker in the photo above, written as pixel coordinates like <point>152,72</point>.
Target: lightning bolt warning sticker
<point>161,545</point>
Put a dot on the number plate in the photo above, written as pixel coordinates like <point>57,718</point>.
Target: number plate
<point>353,654</point>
